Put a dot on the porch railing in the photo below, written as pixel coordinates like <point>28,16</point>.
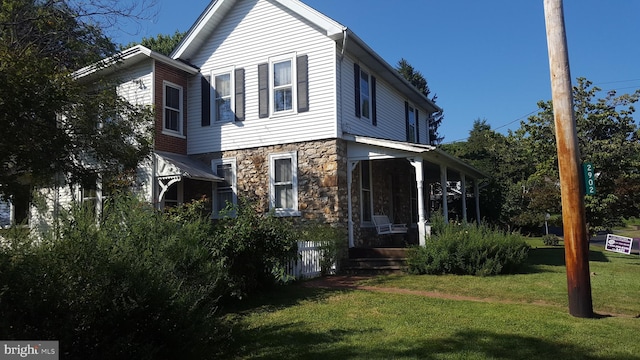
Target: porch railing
<point>309,262</point>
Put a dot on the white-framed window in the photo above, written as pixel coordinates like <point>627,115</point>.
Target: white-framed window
<point>223,82</point>
<point>365,94</point>
<point>225,192</point>
<point>366,195</point>
<point>281,85</point>
<point>283,183</point>
<point>16,212</point>
<point>411,122</point>
<point>172,108</point>
<point>89,194</point>
<point>173,196</point>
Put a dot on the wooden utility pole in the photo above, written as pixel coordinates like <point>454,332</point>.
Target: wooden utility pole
<point>576,237</point>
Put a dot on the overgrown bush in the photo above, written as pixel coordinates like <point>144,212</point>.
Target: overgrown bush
<point>331,240</point>
<point>254,249</point>
<point>550,240</point>
<point>467,249</point>
<point>137,284</point>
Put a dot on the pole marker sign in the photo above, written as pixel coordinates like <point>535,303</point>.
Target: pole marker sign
<point>619,244</point>
<point>589,178</point>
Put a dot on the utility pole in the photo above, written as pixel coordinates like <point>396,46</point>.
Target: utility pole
<point>576,238</point>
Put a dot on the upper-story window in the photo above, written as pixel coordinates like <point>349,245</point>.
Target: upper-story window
<point>223,85</point>
<point>283,85</point>
<point>172,108</point>
<point>411,121</point>
<point>412,117</point>
<point>365,95</point>
<point>365,91</point>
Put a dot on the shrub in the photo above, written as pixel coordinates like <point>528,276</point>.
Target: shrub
<point>138,284</point>
<point>550,240</point>
<point>254,249</point>
<point>331,240</point>
<point>468,250</point>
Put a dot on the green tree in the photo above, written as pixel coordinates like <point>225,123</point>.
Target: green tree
<point>52,123</point>
<point>607,137</point>
<point>416,78</point>
<point>164,44</point>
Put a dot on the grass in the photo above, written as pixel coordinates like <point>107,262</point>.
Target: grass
<point>526,317</point>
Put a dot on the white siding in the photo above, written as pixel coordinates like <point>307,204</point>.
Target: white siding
<point>137,83</point>
<point>251,33</point>
<point>391,123</point>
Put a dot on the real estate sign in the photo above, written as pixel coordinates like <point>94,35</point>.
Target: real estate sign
<point>619,244</point>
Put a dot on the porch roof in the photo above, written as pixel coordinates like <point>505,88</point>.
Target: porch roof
<point>368,148</point>
<point>170,165</point>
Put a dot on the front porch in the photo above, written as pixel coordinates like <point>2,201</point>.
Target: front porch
<point>406,182</point>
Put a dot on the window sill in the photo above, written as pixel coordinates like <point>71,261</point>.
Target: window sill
<point>282,114</point>
<point>286,212</point>
<point>173,133</point>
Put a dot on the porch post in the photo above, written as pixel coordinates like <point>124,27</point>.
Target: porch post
<point>476,195</point>
<point>463,186</point>
<point>443,185</point>
<point>417,164</point>
<point>351,165</point>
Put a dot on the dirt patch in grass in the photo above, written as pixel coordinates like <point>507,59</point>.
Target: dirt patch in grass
<point>353,282</point>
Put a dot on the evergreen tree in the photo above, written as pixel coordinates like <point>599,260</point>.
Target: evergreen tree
<point>416,78</point>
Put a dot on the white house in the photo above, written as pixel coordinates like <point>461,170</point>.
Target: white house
<point>274,101</point>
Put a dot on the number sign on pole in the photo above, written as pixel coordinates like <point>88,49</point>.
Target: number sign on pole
<point>589,178</point>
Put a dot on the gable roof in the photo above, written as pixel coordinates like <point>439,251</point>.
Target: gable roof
<point>346,40</point>
<point>130,57</point>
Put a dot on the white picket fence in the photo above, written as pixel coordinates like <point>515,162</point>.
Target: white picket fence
<point>308,264</point>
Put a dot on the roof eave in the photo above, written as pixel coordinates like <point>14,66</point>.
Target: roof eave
<point>131,56</point>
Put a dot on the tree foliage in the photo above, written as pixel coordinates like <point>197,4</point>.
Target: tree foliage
<point>164,44</point>
<point>524,164</point>
<point>52,123</point>
<point>418,80</point>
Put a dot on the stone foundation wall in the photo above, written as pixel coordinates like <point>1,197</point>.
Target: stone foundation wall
<point>322,190</point>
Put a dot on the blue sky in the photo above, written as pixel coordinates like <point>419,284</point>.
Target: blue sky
<point>484,59</point>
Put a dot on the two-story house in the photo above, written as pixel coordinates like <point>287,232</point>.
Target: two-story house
<point>275,102</point>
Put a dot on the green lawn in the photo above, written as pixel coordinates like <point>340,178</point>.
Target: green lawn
<point>522,316</point>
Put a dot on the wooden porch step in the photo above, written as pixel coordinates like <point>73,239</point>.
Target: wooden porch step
<point>376,253</point>
<point>376,260</point>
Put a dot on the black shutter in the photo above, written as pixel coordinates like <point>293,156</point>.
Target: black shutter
<point>374,114</point>
<point>417,128</point>
<point>302,64</point>
<point>406,118</point>
<point>263,90</point>
<point>205,91</point>
<point>356,80</point>
<point>239,92</point>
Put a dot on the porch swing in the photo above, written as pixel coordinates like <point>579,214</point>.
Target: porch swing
<point>385,227</point>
